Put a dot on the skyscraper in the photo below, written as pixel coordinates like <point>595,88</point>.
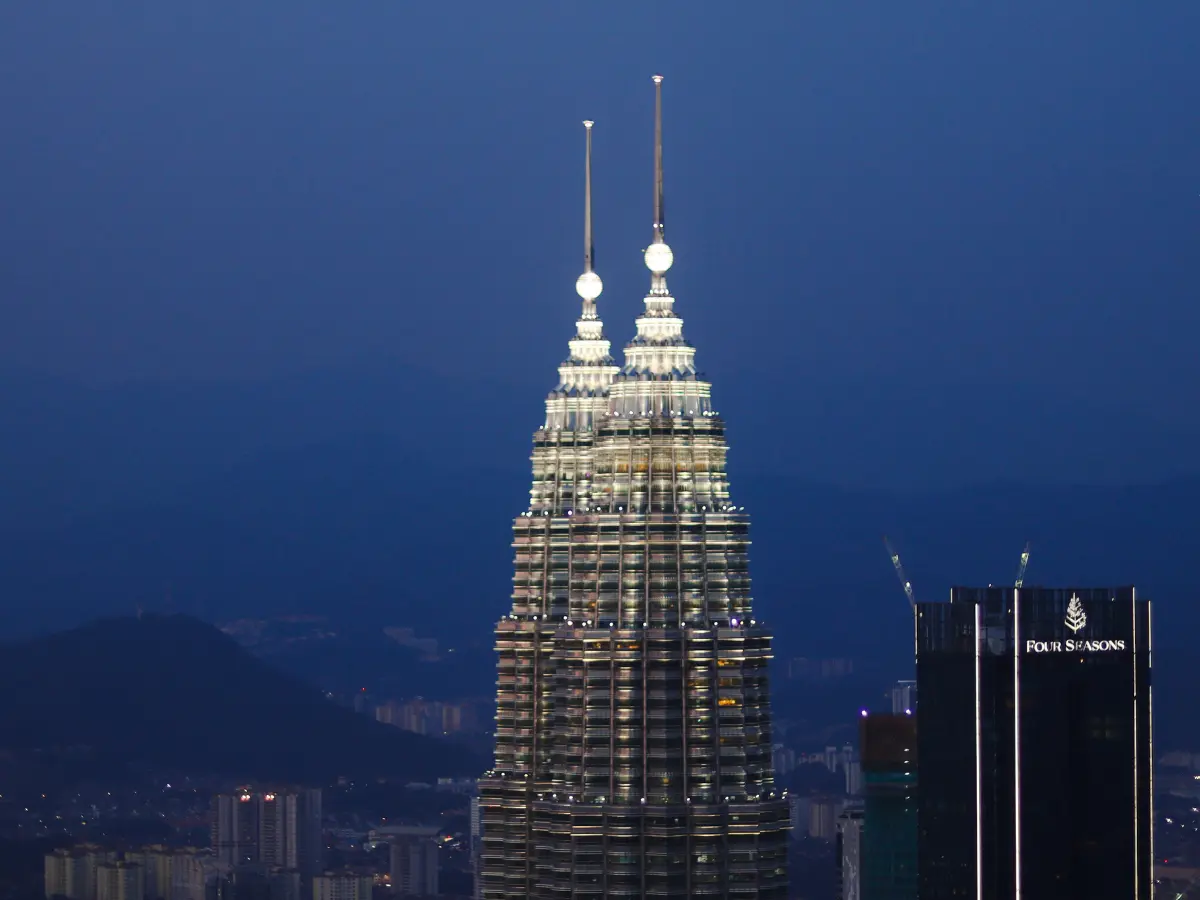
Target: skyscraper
<point>633,731</point>
<point>1034,745</point>
<point>414,861</point>
<point>889,844</point>
<point>280,827</point>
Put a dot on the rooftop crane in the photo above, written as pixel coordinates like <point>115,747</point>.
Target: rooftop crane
<point>904,582</point>
<point>1024,564</point>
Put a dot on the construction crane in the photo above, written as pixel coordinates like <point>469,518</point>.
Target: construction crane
<point>1023,566</point>
<point>904,582</point>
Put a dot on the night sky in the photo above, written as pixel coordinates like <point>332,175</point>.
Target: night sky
<point>919,245</point>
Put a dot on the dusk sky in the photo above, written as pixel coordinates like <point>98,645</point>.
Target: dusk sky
<point>917,245</point>
<point>877,190</point>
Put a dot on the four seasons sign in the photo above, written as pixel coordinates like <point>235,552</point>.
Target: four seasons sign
<point>1076,621</point>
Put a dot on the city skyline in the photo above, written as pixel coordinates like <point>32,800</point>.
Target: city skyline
<point>282,282</point>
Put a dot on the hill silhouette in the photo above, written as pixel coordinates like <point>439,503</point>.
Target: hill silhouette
<point>176,693</point>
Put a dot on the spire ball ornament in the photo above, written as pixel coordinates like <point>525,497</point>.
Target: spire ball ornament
<point>659,258</point>
<point>589,286</point>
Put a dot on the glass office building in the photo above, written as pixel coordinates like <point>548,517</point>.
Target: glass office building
<point>889,765</point>
<point>1035,745</point>
<point>633,727</point>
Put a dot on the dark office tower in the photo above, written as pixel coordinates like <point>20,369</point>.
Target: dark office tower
<point>1034,745</point>
<point>633,730</point>
<point>889,848</point>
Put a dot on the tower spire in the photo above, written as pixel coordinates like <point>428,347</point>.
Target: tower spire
<point>581,396</point>
<point>659,224</point>
<point>589,250</point>
<point>588,285</point>
<point>658,255</point>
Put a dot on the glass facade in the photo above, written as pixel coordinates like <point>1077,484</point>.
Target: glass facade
<point>889,762</point>
<point>1035,744</point>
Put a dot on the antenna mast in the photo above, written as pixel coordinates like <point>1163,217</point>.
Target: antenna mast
<point>589,251</point>
<point>588,285</point>
<point>660,226</point>
<point>658,255</point>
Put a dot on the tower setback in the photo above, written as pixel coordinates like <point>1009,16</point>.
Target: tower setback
<point>633,729</point>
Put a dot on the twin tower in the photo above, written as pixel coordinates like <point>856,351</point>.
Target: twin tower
<point>633,727</point>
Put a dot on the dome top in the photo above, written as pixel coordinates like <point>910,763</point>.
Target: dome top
<point>659,257</point>
<point>588,286</point>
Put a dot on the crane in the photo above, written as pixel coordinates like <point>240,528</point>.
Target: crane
<point>1024,564</point>
<point>904,582</point>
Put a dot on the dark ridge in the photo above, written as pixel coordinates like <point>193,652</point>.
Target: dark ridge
<point>176,693</point>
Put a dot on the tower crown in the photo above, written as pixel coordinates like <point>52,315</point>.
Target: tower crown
<point>581,396</point>
<point>659,377</point>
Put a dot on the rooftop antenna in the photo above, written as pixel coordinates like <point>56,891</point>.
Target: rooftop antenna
<point>658,255</point>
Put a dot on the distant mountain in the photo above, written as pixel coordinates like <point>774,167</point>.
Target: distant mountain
<point>175,693</point>
<point>344,655</point>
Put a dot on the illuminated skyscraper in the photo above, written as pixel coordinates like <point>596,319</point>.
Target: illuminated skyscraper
<point>633,732</point>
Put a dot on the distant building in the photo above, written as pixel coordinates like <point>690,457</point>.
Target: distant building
<point>257,882</point>
<point>476,822</point>
<point>849,853</point>
<point>164,873</point>
<point>191,872</point>
<point>270,827</point>
<point>889,846</point>
<point>1034,744</point>
<point>784,759</point>
<point>854,777</point>
<point>427,716</point>
<point>819,671</point>
<point>345,885</point>
<point>120,881</point>
<point>904,698</point>
<point>71,872</point>
<point>157,863</point>
<point>822,817</point>
<point>414,861</point>
<point>800,810</point>
<point>838,757</point>
<point>466,786</point>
